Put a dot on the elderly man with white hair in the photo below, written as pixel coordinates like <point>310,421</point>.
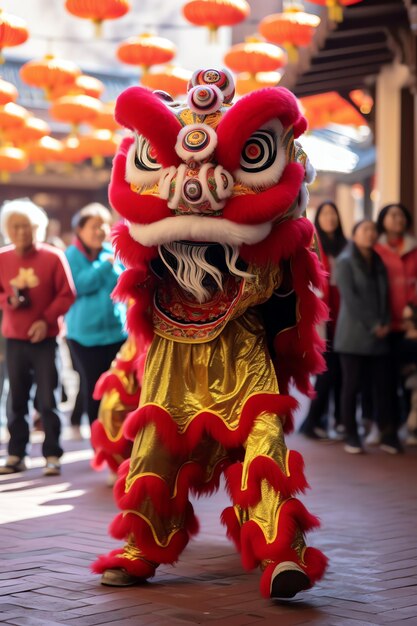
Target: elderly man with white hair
<point>36,289</point>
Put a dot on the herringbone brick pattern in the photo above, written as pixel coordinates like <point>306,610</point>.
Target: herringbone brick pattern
<point>51,529</point>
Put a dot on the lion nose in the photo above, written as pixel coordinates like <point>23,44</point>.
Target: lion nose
<point>197,189</point>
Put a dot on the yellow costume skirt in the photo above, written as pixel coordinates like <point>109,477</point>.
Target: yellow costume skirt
<point>205,409</point>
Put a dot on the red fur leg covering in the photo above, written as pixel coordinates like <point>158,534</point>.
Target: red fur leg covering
<point>265,468</point>
<point>314,564</point>
<point>190,476</point>
<point>250,539</point>
<point>138,567</point>
<point>130,523</point>
<point>106,450</point>
<point>299,350</point>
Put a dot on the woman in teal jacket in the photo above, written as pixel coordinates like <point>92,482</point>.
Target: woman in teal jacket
<point>95,324</point>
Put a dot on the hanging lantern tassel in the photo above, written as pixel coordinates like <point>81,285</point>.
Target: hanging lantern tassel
<point>98,161</point>
<point>334,10</point>
<point>292,52</point>
<point>213,34</point>
<point>98,28</point>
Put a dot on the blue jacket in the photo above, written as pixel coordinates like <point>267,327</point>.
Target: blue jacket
<point>94,319</point>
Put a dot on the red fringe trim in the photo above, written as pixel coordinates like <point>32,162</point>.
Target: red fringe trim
<point>130,252</point>
<point>250,540</point>
<point>111,561</point>
<point>299,350</point>
<point>284,240</point>
<point>139,320</point>
<point>210,423</point>
<point>125,524</point>
<point>106,449</point>
<point>266,468</point>
<point>314,565</point>
<point>131,285</point>
<point>110,382</point>
<point>190,477</point>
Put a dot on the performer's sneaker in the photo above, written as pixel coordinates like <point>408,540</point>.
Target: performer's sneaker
<point>120,578</point>
<point>287,580</point>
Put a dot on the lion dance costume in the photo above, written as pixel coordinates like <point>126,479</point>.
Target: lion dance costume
<point>222,279</point>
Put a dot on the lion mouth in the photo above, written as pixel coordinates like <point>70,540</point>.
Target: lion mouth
<point>198,229</point>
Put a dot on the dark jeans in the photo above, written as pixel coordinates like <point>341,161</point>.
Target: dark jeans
<point>29,363</point>
<point>328,381</point>
<point>377,368</point>
<point>78,410</point>
<point>90,362</point>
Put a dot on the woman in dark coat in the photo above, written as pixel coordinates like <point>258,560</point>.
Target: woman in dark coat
<point>361,335</point>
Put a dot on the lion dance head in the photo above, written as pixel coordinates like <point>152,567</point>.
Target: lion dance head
<point>208,187</point>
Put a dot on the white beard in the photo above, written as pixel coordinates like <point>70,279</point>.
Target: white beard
<point>192,267</point>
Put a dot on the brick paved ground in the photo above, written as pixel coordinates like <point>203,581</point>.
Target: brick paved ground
<point>51,529</point>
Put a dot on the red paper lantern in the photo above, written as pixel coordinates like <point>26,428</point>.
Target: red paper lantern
<point>255,56</point>
<point>12,116</point>
<point>292,28</point>
<point>32,129</point>
<point>98,10</point>
<point>44,150</point>
<point>11,160</point>
<point>13,31</point>
<point>329,108</point>
<point>98,145</point>
<point>246,82</point>
<point>363,100</point>
<point>173,80</point>
<point>215,13</point>
<point>8,92</point>
<point>83,85</point>
<point>146,50</point>
<point>335,7</point>
<point>75,109</point>
<point>105,118</point>
<point>72,151</point>
<point>49,73</point>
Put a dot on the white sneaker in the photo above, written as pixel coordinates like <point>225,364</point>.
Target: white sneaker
<point>75,433</point>
<point>411,439</point>
<point>111,479</point>
<point>374,436</point>
<point>13,465</point>
<point>52,467</point>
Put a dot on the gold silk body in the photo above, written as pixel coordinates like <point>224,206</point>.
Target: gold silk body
<point>217,375</point>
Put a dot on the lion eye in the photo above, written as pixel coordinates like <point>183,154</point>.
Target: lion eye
<point>263,157</point>
<point>145,156</point>
<point>259,152</point>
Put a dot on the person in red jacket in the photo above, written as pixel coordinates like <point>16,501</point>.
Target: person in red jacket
<point>36,288</point>
<point>398,250</point>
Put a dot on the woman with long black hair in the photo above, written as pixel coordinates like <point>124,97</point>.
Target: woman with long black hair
<point>331,241</point>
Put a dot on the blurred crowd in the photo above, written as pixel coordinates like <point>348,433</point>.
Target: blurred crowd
<point>369,390</point>
<point>56,306</point>
<point>52,298</point>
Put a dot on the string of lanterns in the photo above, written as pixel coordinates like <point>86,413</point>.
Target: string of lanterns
<point>75,97</point>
